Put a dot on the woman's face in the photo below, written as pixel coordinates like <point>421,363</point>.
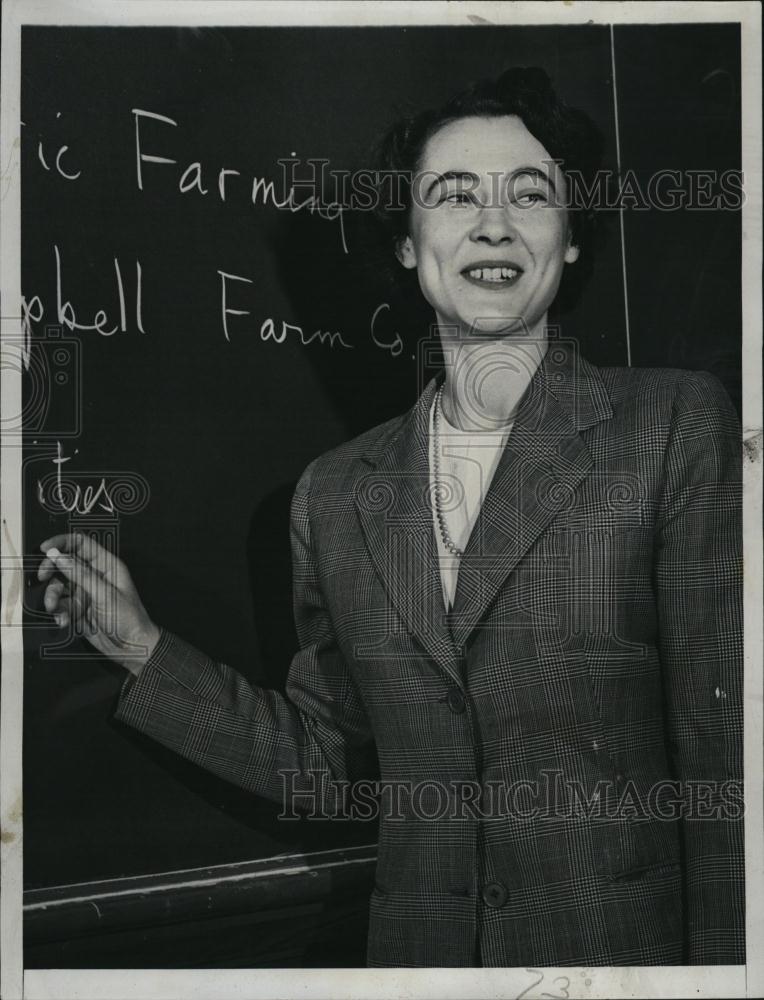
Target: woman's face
<point>488,230</point>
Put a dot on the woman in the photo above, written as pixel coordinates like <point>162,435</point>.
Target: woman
<point>520,601</point>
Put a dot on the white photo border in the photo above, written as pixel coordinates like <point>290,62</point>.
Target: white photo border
<point>676,981</point>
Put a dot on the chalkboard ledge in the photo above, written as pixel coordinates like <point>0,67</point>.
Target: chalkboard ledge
<point>287,897</point>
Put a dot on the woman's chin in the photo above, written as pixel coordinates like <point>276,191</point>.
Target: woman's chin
<point>498,327</point>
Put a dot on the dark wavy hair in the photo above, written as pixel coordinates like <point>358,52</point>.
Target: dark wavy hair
<point>568,135</point>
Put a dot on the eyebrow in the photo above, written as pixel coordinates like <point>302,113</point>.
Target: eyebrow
<point>467,175</point>
<point>534,172</point>
<point>451,175</point>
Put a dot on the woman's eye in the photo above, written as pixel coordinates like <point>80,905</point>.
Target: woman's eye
<point>458,198</point>
<point>531,198</point>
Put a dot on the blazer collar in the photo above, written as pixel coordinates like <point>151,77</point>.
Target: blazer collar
<point>393,504</point>
<point>543,462</point>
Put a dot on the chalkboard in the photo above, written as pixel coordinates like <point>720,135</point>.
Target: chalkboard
<point>184,418</point>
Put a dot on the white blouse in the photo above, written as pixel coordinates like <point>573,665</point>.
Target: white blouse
<point>467,462</point>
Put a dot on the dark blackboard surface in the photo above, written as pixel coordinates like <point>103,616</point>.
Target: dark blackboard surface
<point>210,432</point>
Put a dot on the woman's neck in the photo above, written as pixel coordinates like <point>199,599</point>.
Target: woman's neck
<point>485,379</point>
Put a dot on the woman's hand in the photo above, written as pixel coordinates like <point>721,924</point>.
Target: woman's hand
<point>98,597</point>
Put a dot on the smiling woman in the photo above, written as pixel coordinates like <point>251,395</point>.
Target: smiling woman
<point>534,573</point>
<point>489,264</point>
<point>526,162</point>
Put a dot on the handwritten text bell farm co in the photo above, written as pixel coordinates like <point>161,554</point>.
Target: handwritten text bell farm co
<point>129,305</point>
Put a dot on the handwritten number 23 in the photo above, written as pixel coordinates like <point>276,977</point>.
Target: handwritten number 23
<point>562,993</point>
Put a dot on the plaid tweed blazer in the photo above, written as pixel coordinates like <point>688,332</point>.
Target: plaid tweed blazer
<point>565,746</point>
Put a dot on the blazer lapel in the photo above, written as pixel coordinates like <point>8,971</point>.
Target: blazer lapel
<point>393,504</point>
<point>544,460</point>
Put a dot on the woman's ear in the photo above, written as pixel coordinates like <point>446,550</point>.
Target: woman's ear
<point>571,254</point>
<point>405,252</point>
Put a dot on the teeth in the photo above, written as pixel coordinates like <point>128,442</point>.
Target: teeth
<point>492,273</point>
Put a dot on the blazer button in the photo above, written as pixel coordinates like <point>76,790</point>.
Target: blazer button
<point>455,701</point>
<point>494,895</point>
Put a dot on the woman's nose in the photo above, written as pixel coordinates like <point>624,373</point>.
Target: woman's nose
<point>493,226</point>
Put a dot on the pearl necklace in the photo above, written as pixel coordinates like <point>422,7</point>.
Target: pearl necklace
<point>439,513</point>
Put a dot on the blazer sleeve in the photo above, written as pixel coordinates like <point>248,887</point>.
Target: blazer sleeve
<point>251,736</point>
<point>698,585</point>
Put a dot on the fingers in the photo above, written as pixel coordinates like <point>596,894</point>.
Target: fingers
<point>65,613</point>
<point>65,542</point>
<point>76,572</point>
<point>62,600</point>
<point>83,547</point>
<point>61,604</point>
<point>56,602</point>
<point>51,600</point>
<point>81,596</point>
<point>86,549</point>
<point>70,606</point>
<point>46,569</point>
<point>54,545</point>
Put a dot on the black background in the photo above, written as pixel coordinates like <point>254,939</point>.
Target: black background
<point>219,430</point>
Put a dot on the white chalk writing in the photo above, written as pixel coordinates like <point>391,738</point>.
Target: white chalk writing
<point>70,496</point>
<point>262,190</point>
<point>271,329</point>
<point>33,311</point>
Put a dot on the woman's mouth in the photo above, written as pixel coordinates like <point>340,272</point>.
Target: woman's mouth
<point>491,275</point>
